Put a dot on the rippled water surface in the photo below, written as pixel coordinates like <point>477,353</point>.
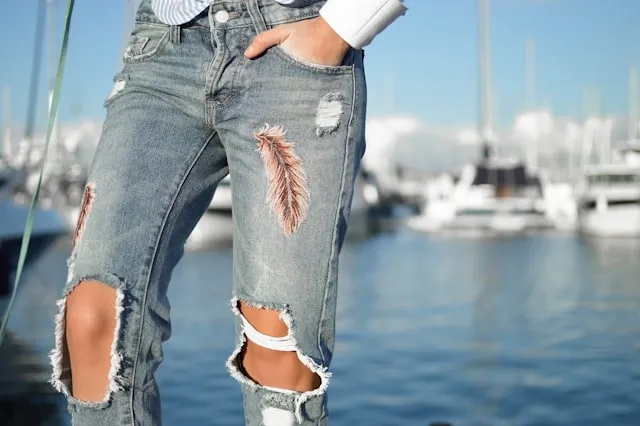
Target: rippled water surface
<point>522,331</point>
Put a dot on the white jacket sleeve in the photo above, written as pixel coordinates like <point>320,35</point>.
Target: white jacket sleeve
<point>359,21</point>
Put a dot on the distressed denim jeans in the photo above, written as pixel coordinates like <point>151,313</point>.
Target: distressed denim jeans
<point>187,108</point>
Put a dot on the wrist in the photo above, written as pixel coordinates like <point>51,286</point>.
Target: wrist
<point>332,35</point>
<point>357,22</point>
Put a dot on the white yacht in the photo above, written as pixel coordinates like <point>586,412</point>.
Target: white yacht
<point>495,196</point>
<point>609,192</point>
<point>610,200</point>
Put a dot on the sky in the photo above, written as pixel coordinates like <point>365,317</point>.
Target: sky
<point>424,65</point>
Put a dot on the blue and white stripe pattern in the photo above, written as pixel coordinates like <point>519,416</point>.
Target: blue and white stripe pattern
<point>176,12</point>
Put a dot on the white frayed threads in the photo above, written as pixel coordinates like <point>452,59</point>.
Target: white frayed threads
<point>71,263</point>
<point>56,356</point>
<point>324,375</point>
<point>277,417</point>
<point>233,368</point>
<point>115,380</point>
<point>231,362</point>
<point>300,398</point>
<point>60,367</point>
<point>329,113</point>
<point>118,86</point>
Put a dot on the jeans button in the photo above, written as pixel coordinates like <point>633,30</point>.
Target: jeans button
<point>222,16</point>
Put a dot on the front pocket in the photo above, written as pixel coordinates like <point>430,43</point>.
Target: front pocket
<point>346,67</point>
<point>146,41</point>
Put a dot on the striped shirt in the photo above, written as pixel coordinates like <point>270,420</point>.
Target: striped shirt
<point>356,21</point>
<point>176,12</point>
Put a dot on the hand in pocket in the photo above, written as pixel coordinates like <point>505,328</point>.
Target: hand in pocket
<point>312,40</point>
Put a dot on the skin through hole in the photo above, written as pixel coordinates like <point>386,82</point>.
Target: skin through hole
<point>90,329</point>
<point>268,367</point>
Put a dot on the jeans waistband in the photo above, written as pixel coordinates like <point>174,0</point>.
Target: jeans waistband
<point>242,13</point>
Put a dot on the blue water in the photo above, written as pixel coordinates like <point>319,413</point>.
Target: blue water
<point>541,330</point>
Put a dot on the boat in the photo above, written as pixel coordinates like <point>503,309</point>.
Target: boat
<point>609,191</point>
<point>497,194</point>
<point>494,195</point>
<point>609,200</point>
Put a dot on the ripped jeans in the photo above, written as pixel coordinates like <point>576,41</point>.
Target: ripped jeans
<point>187,109</point>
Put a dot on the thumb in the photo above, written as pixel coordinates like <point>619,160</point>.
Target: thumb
<point>267,39</point>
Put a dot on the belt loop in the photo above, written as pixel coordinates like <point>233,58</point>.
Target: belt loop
<point>256,15</point>
<point>175,33</point>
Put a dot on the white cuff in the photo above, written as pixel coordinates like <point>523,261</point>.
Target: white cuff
<point>359,21</point>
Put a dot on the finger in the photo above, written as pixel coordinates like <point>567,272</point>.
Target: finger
<point>265,40</point>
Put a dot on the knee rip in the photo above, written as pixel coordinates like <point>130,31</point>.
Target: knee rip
<point>274,345</point>
<point>86,316</point>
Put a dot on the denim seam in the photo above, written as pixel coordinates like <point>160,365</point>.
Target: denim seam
<point>151,266</point>
<point>296,18</point>
<point>310,66</point>
<point>155,24</point>
<point>337,218</point>
<point>254,13</point>
<point>282,21</point>
<point>215,70</point>
<point>154,53</point>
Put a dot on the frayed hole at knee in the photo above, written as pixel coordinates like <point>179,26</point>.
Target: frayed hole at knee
<point>61,377</point>
<point>282,342</point>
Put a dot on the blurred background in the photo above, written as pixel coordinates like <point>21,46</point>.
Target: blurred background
<point>490,275</point>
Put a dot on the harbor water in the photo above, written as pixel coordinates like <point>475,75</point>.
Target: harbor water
<point>533,330</point>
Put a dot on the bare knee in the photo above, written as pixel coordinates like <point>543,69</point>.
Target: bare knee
<point>89,332</point>
<point>270,364</point>
<point>90,316</point>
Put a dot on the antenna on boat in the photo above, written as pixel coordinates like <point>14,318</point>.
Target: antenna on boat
<point>531,103</point>
<point>633,103</point>
<point>6,122</point>
<point>485,122</point>
<point>592,111</point>
<point>530,73</point>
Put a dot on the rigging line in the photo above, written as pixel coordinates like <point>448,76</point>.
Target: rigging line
<point>26,236</point>
<point>35,73</point>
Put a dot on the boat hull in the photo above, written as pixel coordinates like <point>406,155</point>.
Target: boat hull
<point>614,221</point>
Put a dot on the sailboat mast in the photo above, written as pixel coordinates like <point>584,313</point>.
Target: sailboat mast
<point>530,73</point>
<point>26,144</point>
<point>530,83</point>
<point>633,104</point>
<point>486,114</point>
<point>53,56</point>
<point>6,122</point>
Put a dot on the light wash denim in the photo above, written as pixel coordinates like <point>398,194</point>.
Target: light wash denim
<point>186,109</point>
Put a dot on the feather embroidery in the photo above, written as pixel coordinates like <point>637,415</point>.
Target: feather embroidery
<point>287,191</point>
